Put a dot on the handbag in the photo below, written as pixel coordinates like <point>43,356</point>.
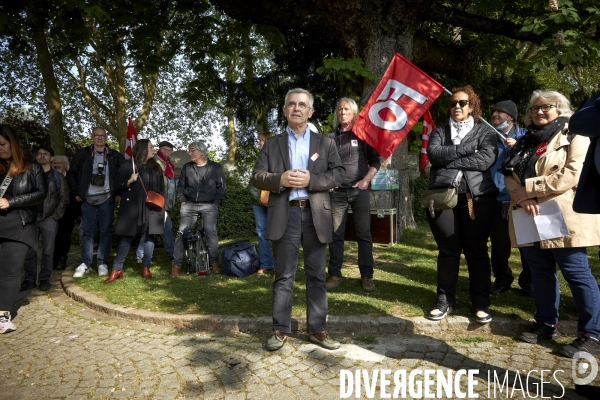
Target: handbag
<point>264,198</point>
<point>154,200</point>
<point>439,199</point>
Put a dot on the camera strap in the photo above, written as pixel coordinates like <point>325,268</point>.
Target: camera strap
<point>104,153</point>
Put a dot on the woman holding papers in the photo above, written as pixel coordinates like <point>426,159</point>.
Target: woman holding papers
<point>135,217</point>
<point>461,155</point>
<point>544,166</point>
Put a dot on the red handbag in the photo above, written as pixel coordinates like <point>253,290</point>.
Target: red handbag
<point>154,200</point>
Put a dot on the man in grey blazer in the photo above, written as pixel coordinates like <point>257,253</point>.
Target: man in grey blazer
<point>299,167</point>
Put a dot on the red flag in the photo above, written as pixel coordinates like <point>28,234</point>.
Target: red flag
<point>428,127</point>
<point>131,139</point>
<point>402,96</point>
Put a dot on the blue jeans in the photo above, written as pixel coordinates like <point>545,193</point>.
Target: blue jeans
<point>188,215</point>
<point>573,263</point>
<point>102,216</point>
<point>47,228</point>
<point>359,200</point>
<point>264,246</point>
<point>167,237</point>
<point>125,243</point>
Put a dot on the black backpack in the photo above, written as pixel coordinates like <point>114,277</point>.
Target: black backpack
<point>239,259</point>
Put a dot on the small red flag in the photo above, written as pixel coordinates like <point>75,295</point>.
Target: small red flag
<point>401,97</point>
<point>131,139</point>
<point>428,127</point>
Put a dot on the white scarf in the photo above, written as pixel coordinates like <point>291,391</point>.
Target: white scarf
<point>459,129</point>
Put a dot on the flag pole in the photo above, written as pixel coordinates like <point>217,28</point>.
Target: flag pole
<point>497,131</point>
<point>481,118</point>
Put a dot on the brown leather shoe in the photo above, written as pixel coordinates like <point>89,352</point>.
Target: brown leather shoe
<point>333,282</point>
<point>175,270</point>
<point>368,285</point>
<point>216,269</point>
<point>146,273</point>
<point>114,275</point>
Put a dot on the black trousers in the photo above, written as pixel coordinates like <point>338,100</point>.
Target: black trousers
<point>501,248</point>
<point>12,255</point>
<point>300,230</point>
<point>456,233</point>
<point>62,242</point>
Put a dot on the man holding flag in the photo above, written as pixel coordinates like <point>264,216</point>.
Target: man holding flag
<point>91,177</point>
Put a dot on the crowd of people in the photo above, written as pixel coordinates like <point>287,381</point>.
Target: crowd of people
<point>304,185</point>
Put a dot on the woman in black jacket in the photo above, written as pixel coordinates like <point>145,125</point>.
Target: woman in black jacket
<point>461,154</point>
<point>22,187</point>
<point>135,217</point>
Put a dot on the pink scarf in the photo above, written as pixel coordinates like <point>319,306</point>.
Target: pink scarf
<point>169,166</point>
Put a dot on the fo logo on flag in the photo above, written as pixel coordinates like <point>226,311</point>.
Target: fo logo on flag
<point>400,99</point>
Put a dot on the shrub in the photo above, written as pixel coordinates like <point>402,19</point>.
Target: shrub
<point>417,186</point>
<point>236,217</point>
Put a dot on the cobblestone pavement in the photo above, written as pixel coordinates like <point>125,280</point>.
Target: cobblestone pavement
<point>63,350</point>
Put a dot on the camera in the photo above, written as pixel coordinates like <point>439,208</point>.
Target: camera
<point>98,179</point>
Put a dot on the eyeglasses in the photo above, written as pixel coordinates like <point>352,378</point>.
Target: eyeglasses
<point>42,154</point>
<point>302,106</point>
<point>461,103</point>
<point>543,107</point>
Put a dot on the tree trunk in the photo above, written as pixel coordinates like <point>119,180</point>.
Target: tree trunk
<point>377,47</point>
<point>51,93</point>
<point>230,107</point>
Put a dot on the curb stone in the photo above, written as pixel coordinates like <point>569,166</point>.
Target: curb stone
<point>355,324</point>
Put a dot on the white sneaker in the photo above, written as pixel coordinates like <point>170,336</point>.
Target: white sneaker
<point>102,270</point>
<point>6,325</point>
<point>80,271</point>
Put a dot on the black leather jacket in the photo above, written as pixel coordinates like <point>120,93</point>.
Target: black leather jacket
<point>210,189</point>
<point>30,188</point>
<point>474,156</point>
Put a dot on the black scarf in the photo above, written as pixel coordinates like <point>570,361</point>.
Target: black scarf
<point>522,157</point>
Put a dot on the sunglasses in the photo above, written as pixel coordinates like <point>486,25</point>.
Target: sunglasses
<point>461,103</point>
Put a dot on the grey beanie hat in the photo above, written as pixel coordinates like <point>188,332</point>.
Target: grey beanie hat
<point>507,106</point>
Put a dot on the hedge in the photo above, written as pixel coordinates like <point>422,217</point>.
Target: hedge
<point>417,186</point>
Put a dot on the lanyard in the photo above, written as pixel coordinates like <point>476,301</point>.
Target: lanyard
<point>5,184</point>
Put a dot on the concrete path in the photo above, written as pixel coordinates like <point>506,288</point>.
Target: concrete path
<point>62,349</point>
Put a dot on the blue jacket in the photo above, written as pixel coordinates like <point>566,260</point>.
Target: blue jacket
<point>503,150</point>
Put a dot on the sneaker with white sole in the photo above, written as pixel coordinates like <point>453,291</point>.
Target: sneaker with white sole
<point>81,270</point>
<point>102,270</point>
<point>5,323</point>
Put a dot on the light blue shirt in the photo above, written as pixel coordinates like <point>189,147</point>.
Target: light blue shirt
<point>298,149</point>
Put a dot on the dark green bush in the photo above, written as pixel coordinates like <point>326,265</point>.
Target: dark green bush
<point>417,186</point>
<point>236,217</point>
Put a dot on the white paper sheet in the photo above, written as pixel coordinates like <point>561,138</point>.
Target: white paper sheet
<point>548,224</point>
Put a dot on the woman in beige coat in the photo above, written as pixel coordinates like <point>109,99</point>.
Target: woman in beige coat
<point>545,164</point>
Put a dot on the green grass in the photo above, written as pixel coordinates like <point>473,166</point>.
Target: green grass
<point>405,276</point>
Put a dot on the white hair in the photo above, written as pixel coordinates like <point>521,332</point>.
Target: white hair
<point>563,105</point>
<point>311,99</point>
<point>64,158</point>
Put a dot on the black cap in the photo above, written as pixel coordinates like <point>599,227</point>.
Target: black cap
<point>586,120</point>
<point>507,106</point>
<point>167,144</point>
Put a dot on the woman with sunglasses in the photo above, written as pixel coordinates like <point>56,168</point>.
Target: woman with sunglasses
<point>135,217</point>
<point>22,187</point>
<point>461,155</point>
<point>545,164</point>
